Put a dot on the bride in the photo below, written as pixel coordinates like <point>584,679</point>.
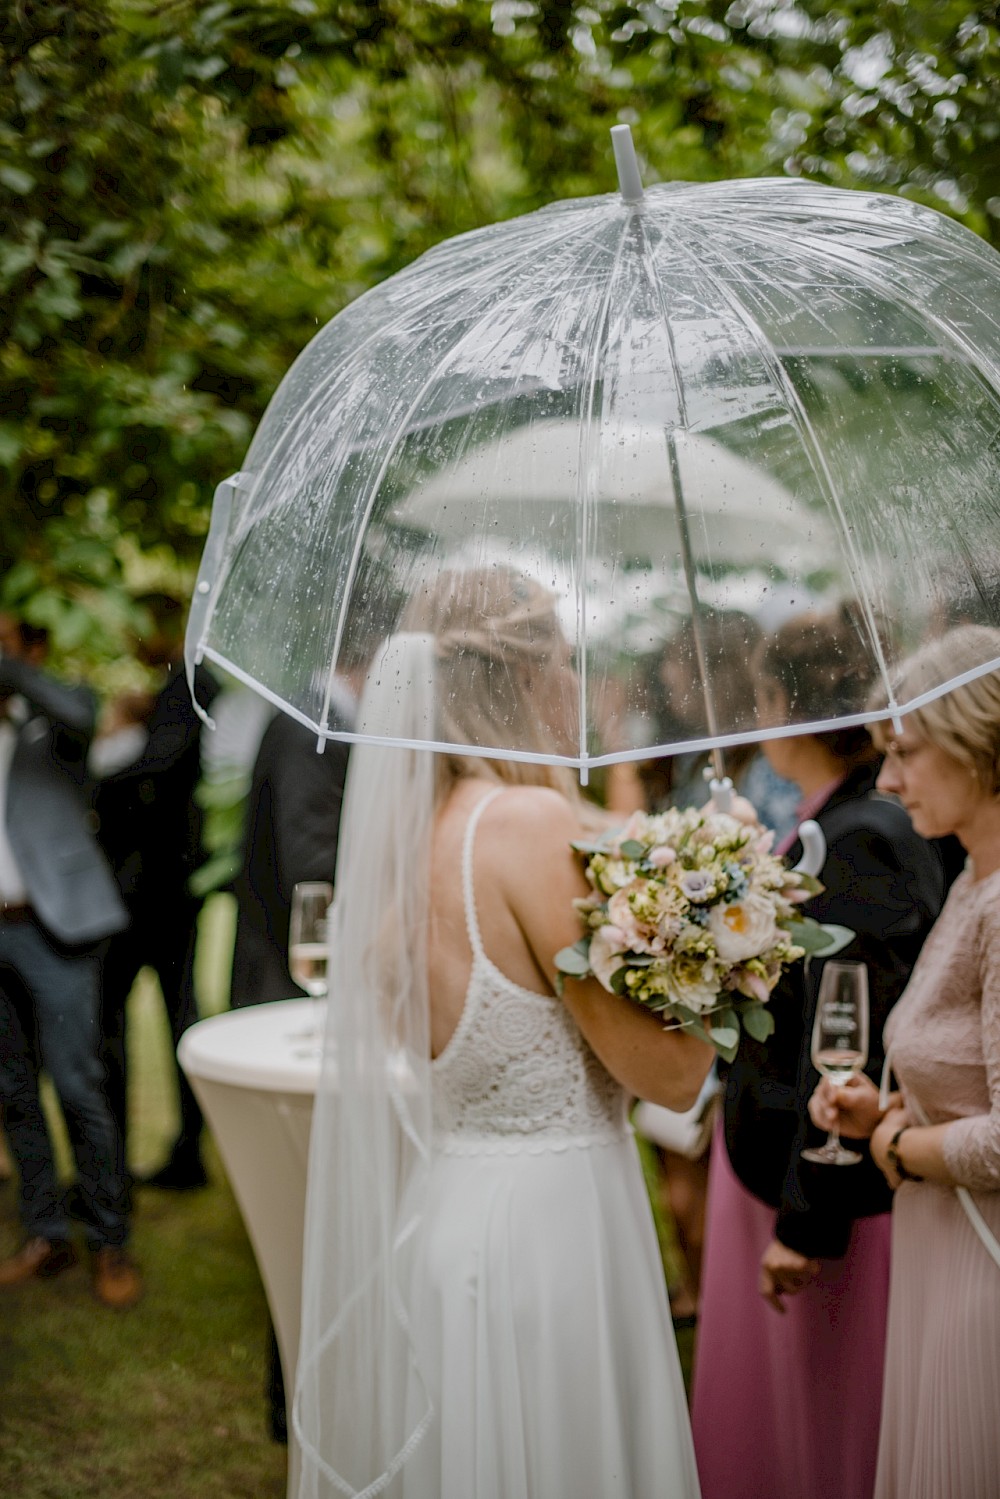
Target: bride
<point>484,1314</point>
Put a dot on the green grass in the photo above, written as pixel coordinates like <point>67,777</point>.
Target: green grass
<point>165,1399</point>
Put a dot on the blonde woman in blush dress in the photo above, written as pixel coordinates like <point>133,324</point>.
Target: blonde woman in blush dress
<point>938,1139</point>
<point>796,1266</point>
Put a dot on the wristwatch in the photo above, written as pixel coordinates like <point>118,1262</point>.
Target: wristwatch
<point>895,1160</point>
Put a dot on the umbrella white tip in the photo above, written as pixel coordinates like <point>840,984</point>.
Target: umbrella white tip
<point>629,181</point>
<point>722,793</point>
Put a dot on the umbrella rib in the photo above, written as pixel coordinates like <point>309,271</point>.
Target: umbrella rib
<point>687,553</point>
<point>814,452</point>
<point>598,343</point>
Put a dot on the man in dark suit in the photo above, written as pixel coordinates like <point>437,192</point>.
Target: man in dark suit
<point>58,900</point>
<point>293,808</point>
<point>293,823</point>
<point>150,829</point>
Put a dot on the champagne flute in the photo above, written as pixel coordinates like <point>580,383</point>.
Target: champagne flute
<point>307,935</point>
<point>839,1043</point>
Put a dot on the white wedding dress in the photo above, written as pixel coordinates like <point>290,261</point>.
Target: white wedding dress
<point>534,1288</point>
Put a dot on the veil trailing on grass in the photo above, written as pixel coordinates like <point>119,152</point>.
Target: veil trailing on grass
<point>360,1404</point>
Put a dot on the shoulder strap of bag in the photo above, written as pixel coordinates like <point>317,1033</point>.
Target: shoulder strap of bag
<point>963,1194</point>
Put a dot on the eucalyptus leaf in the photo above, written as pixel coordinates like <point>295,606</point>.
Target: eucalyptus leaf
<point>814,937</point>
<point>688,1016</point>
<point>840,937</point>
<point>585,846</point>
<point>724,1032</point>
<point>632,849</point>
<point>758,1022</point>
<point>725,1041</point>
<point>574,961</point>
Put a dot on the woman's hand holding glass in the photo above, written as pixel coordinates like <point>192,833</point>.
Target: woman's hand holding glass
<point>839,1045</point>
<point>853,1108</point>
<point>850,1107</point>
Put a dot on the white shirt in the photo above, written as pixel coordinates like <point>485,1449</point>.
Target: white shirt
<point>12,888</point>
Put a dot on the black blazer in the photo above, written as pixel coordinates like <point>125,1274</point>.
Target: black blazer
<point>68,882</point>
<point>887,884</point>
<point>149,822</point>
<point>293,824</point>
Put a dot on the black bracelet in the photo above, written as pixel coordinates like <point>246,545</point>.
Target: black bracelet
<point>895,1161</point>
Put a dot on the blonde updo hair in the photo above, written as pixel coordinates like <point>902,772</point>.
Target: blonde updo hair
<point>492,625</point>
<point>964,722</point>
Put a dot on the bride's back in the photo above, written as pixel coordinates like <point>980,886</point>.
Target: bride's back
<point>495,870</point>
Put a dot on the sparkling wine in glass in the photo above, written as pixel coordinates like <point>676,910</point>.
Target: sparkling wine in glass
<point>839,1043</point>
<point>307,936</point>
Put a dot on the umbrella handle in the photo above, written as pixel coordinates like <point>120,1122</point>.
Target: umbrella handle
<point>813,848</point>
<point>722,793</point>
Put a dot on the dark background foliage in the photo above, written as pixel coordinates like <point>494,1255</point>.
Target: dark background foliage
<point>188,190</point>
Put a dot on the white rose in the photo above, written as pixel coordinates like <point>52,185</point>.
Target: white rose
<point>743,928</point>
<point>607,947</point>
<point>692,981</point>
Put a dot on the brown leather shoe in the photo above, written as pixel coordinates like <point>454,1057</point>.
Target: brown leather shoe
<point>117,1282</point>
<point>37,1258</point>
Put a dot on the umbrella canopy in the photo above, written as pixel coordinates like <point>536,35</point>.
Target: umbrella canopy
<point>734,390</point>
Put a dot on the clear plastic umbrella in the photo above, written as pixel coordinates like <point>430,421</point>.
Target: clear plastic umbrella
<point>723,393</point>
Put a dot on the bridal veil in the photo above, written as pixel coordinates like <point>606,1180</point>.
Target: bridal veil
<point>355,1414</point>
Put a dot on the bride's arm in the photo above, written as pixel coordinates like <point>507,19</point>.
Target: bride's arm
<point>540,877</point>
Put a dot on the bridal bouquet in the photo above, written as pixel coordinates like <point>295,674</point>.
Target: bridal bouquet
<point>692,916</point>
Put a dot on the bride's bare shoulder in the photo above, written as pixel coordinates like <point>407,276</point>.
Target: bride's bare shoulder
<point>531,824</point>
<point>533,806</point>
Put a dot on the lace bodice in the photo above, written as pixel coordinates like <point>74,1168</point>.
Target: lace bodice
<point>517,1074</point>
<point>944,1033</point>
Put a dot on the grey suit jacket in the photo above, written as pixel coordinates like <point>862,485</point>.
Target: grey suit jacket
<point>67,878</point>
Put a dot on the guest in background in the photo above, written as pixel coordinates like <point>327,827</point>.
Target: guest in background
<point>58,900</point>
<point>788,1368</point>
<point>938,1142</point>
<point>729,640</point>
<point>292,831</point>
<point>293,809</point>
<point>150,828</point>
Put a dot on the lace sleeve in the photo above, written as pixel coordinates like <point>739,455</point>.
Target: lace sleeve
<point>972,1146</point>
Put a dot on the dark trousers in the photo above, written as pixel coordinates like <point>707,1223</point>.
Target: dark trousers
<point>49,1002</point>
<point>161,936</point>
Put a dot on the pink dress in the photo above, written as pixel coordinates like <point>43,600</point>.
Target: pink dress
<point>941,1404</point>
<point>774,1396</point>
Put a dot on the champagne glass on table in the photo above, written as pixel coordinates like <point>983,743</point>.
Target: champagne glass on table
<point>839,1043</point>
<point>307,936</point>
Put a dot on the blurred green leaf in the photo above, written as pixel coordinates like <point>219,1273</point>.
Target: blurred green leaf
<point>188,191</point>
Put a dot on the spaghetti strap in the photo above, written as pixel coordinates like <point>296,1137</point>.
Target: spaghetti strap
<point>468,886</point>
